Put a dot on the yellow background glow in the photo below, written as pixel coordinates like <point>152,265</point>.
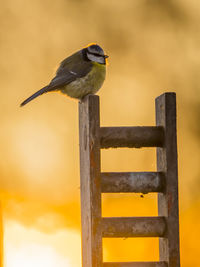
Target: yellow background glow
<point>153,47</point>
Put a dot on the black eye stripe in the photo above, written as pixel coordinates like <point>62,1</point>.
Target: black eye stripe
<point>95,54</point>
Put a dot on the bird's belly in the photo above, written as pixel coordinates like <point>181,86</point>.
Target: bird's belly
<point>89,84</point>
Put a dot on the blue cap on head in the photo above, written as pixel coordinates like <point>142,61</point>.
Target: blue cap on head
<point>95,49</point>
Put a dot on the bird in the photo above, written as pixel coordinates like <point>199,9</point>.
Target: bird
<point>78,75</point>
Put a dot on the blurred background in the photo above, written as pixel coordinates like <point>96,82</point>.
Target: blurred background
<point>154,47</point>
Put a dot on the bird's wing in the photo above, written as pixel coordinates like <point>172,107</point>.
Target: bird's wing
<point>70,69</point>
<point>60,80</point>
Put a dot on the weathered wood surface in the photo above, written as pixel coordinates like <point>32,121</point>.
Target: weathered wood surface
<point>133,226</point>
<point>141,136</point>
<point>167,163</point>
<point>90,181</point>
<point>137,182</point>
<point>164,181</point>
<point>136,264</point>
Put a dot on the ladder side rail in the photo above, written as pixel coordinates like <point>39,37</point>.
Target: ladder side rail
<point>90,181</point>
<point>167,163</point>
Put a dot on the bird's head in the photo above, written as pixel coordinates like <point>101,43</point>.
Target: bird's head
<point>95,53</point>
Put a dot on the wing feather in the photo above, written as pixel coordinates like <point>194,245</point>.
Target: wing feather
<point>70,69</point>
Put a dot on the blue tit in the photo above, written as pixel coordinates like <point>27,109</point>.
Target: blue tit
<point>78,75</point>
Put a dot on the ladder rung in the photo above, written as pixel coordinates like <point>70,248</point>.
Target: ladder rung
<point>133,226</point>
<point>142,136</point>
<point>136,264</point>
<point>137,182</point>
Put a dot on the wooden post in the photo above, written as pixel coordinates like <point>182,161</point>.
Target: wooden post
<point>167,163</point>
<point>90,181</point>
<point>164,182</point>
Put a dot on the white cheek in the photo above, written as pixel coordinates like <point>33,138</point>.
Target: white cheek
<point>94,58</point>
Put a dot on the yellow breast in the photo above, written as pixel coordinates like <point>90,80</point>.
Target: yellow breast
<point>89,84</point>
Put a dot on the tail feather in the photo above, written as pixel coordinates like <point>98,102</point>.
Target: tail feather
<point>40,92</point>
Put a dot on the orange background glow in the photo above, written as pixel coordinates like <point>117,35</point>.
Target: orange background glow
<point>154,47</point>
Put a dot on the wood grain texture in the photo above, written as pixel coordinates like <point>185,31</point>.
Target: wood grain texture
<point>133,226</point>
<point>167,163</point>
<point>140,136</point>
<point>136,264</point>
<point>90,181</point>
<point>164,181</point>
<point>137,182</point>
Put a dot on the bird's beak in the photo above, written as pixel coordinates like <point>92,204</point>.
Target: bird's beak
<point>106,56</point>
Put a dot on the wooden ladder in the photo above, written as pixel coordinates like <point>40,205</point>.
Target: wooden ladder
<point>94,183</point>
